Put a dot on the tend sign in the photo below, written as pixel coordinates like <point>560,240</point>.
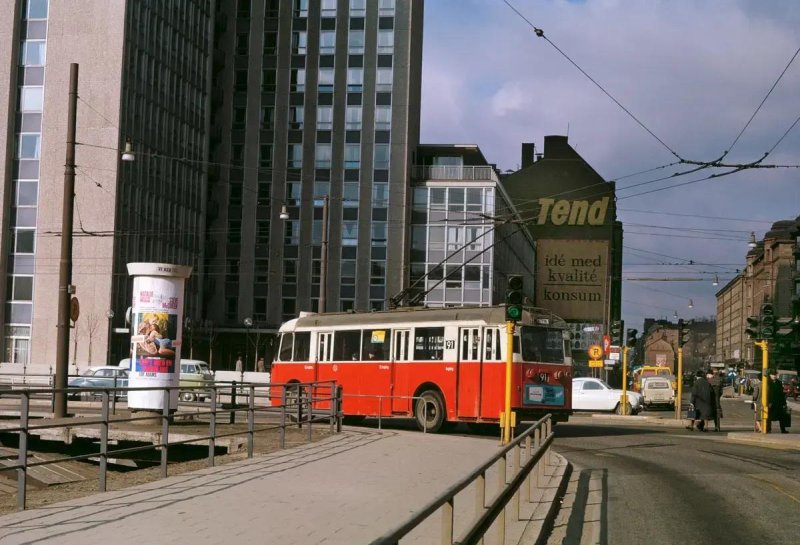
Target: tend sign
<point>563,212</point>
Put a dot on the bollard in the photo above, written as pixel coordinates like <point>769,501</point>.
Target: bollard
<point>282,435</point>
<point>251,420</point>
<point>233,403</point>
<point>501,485</point>
<point>212,427</point>
<point>104,440</point>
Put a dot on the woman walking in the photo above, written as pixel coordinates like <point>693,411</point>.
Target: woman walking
<point>703,401</point>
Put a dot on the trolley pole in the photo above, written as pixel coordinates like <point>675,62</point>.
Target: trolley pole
<point>623,403</point>
<point>764,390</point>
<point>505,418</point>
<point>679,389</point>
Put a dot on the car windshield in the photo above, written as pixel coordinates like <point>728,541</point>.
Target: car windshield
<point>542,344</point>
<point>604,384</point>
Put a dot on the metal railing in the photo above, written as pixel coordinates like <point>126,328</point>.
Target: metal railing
<point>455,172</point>
<point>516,488</point>
<point>301,410</point>
<point>379,413</point>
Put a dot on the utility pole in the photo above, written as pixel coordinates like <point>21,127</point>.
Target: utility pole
<point>764,414</point>
<point>323,258</point>
<point>65,287</point>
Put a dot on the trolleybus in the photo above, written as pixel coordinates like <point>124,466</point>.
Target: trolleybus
<point>435,365</point>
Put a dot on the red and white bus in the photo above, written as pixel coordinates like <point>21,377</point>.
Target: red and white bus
<point>452,359</point>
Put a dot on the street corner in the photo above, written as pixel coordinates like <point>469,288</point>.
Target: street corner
<point>784,441</point>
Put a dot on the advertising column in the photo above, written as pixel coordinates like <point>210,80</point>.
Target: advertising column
<point>156,328</point>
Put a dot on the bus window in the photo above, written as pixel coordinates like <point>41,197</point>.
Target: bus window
<point>376,344</point>
<point>302,346</point>
<point>346,345</point>
<point>428,343</point>
<point>542,345</point>
<point>492,345</point>
<point>285,353</point>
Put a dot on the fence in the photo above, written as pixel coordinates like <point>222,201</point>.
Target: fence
<point>379,413</point>
<point>298,409</point>
<point>535,444</point>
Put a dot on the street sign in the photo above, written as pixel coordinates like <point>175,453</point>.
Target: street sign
<point>606,344</point>
<point>613,353</point>
<point>74,309</point>
<point>596,363</point>
<point>595,352</point>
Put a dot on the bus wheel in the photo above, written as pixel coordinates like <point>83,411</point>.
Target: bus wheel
<point>429,411</point>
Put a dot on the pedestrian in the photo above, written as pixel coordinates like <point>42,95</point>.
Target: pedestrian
<point>716,382</point>
<point>703,401</point>
<point>239,364</point>
<point>260,365</point>
<point>757,404</point>
<point>776,402</point>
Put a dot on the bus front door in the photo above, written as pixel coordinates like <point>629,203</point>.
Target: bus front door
<point>401,355</point>
<point>469,372</point>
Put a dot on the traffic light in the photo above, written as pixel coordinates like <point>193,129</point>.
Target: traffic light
<point>753,328</point>
<point>684,333</point>
<point>514,298</point>
<point>617,327</point>
<point>767,321</point>
<point>785,328</point>
<point>632,338</point>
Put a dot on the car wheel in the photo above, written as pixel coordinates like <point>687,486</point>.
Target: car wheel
<point>188,396</point>
<point>618,408</point>
<point>429,411</point>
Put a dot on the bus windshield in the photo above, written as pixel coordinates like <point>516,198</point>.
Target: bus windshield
<point>542,344</point>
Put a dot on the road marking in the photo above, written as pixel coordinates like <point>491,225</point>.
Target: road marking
<point>775,486</point>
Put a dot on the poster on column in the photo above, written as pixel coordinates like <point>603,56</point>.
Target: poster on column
<point>156,319</point>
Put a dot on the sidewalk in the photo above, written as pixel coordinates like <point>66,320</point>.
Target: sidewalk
<point>347,489</point>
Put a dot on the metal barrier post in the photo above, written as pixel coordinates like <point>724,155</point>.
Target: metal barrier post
<point>339,415</point>
<point>233,403</point>
<point>547,430</point>
<point>501,485</point>
<point>300,407</point>
<point>526,486</point>
<point>516,466</point>
<point>282,435</point>
<point>114,399</point>
<point>251,409</point>
<point>104,441</point>
<point>537,441</point>
<point>447,523</point>
<point>310,411</point>
<point>165,433</point>
<point>333,408</point>
<point>22,455</point>
<point>212,427</point>
<point>53,398</point>
<point>380,410</point>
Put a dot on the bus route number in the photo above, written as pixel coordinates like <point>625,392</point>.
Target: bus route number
<point>449,345</point>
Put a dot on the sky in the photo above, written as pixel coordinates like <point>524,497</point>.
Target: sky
<point>693,72</point>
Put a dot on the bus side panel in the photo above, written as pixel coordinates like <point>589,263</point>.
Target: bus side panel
<point>469,389</point>
<point>402,404</point>
<point>285,372</point>
<point>375,387</point>
<point>493,390</point>
<point>443,375</point>
<point>346,375</point>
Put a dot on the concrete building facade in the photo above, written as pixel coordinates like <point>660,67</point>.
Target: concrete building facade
<point>144,78</point>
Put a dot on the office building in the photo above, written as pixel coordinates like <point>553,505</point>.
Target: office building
<point>145,79</point>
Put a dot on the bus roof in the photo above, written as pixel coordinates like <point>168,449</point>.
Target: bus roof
<point>487,315</point>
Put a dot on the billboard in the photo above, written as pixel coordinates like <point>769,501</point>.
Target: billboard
<point>572,278</point>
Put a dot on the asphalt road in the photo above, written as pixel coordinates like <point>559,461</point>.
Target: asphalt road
<point>639,484</point>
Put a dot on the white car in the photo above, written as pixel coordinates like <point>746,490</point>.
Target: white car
<point>593,394</point>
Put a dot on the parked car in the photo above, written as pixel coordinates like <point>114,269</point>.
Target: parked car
<point>790,384</point>
<point>658,391</point>
<point>99,377</point>
<point>194,373</point>
<point>592,394</point>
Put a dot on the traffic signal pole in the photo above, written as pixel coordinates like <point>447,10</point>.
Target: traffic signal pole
<point>679,389</point>
<point>505,418</point>
<point>764,416</point>
<point>624,401</point>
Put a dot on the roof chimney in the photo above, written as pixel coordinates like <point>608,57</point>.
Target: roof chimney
<point>528,154</point>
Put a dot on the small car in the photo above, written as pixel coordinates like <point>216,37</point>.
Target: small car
<point>593,394</point>
<point>99,377</point>
<point>658,391</point>
<point>194,373</point>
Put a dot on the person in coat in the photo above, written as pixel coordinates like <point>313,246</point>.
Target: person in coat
<point>776,402</point>
<point>703,400</point>
<point>716,382</point>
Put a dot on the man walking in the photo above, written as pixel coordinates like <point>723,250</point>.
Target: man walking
<point>702,399</point>
<point>776,400</point>
<point>716,382</point>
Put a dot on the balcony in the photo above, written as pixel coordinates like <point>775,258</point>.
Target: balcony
<point>446,172</point>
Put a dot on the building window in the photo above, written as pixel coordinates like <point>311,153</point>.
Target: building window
<point>380,195</point>
<point>270,43</point>
<point>242,44</point>
<point>20,288</point>
<point>324,117</point>
<point>295,156</point>
<point>289,271</point>
<point>321,189</point>
<point>357,8</point>
<point>350,194</point>
<point>352,155</point>
<point>296,117</point>
<point>385,41</point>
<point>269,81</point>
<point>31,99</point>
<point>239,117</point>
<point>352,118</point>
<point>350,233</point>
<point>292,194</point>
<point>381,156</point>
<point>301,8</point>
<point>355,80</point>
<point>385,7</point>
<point>328,8</point>
<point>297,81</point>
<point>355,42</point>
<point>383,118</point>
<point>326,80</point>
<point>240,80</point>
<point>33,53</point>
<point>299,42</point>
<point>348,276</point>
<point>37,9</point>
<point>237,153</point>
<point>24,241</point>
<point>27,193</point>
<point>29,146</point>
<point>17,342</point>
<point>379,233</point>
<point>291,232</point>
<point>327,42</point>
<point>322,156</point>
<point>383,79</point>
<point>267,120</point>
<point>265,156</point>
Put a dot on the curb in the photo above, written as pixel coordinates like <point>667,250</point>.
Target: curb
<point>753,439</point>
<point>555,506</point>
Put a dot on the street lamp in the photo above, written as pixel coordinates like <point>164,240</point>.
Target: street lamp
<point>127,154</point>
<point>716,280</point>
<point>323,255</point>
<point>752,243</point>
<point>691,303</point>
<point>110,316</point>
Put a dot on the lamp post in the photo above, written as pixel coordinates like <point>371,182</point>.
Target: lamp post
<point>248,323</point>
<point>110,316</point>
